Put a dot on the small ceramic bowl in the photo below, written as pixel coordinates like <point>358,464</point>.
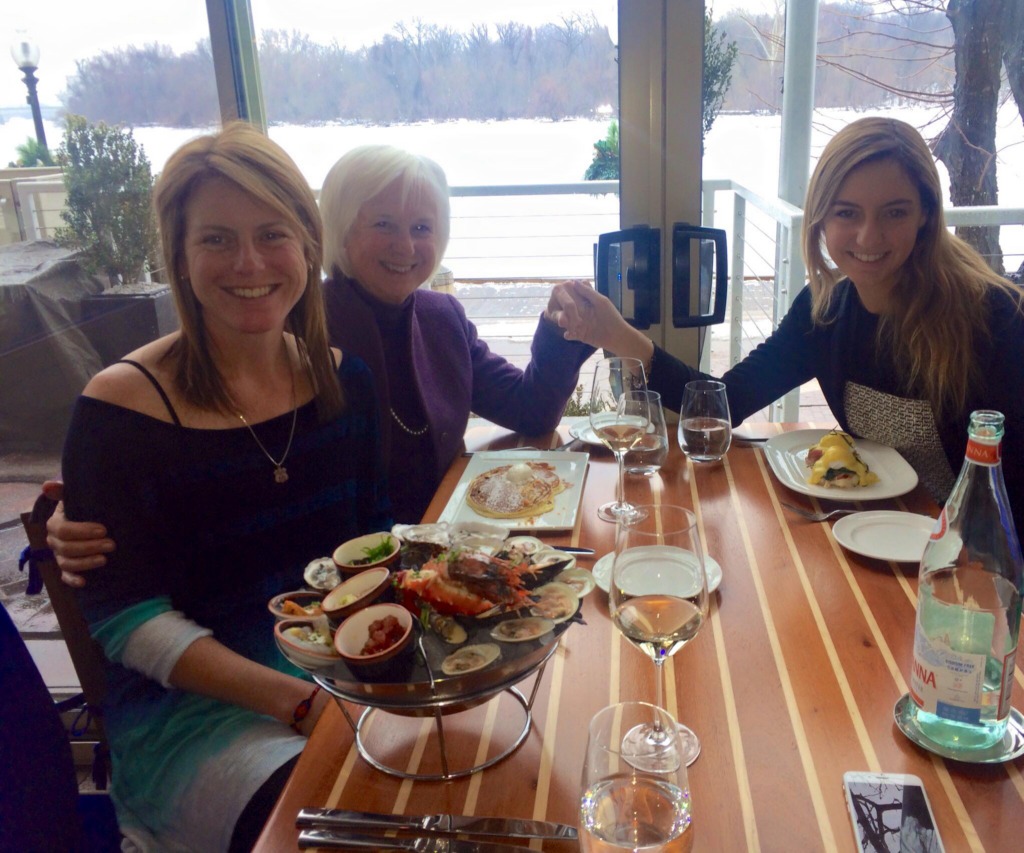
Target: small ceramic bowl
<point>353,634</point>
<point>349,555</point>
<point>307,656</point>
<point>301,599</point>
<point>355,593</point>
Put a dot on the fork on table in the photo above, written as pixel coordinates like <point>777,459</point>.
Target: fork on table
<point>810,515</point>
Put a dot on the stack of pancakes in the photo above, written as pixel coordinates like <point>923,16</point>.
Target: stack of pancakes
<point>515,491</point>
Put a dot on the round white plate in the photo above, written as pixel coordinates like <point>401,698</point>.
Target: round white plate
<point>885,535</point>
<point>602,572</point>
<point>583,431</point>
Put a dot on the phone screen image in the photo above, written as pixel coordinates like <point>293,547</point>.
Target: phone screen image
<point>891,814</point>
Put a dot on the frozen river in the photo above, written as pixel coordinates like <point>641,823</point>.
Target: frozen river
<point>553,236</point>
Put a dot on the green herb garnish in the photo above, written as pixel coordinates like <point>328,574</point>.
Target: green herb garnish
<point>379,551</point>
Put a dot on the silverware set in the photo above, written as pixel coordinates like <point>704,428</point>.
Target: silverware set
<point>344,829</point>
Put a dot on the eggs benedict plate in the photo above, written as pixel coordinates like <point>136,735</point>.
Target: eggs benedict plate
<point>821,463</point>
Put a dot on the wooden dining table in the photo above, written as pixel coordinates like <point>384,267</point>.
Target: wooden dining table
<point>791,682</point>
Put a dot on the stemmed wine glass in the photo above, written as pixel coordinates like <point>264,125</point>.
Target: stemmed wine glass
<point>658,598</point>
<point>619,416</point>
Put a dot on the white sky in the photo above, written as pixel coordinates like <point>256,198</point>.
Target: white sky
<point>71,30</point>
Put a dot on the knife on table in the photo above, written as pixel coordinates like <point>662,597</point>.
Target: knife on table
<point>439,824</point>
<point>333,839</point>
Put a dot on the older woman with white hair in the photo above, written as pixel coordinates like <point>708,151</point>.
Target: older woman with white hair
<point>386,224</point>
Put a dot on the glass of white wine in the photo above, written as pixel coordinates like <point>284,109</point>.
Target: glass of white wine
<point>619,416</point>
<point>627,807</point>
<point>658,598</point>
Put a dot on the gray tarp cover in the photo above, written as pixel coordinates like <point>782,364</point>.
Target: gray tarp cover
<point>45,359</point>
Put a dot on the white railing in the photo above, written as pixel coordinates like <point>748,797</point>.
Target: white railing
<point>37,202</point>
<point>546,232</point>
<point>538,232</point>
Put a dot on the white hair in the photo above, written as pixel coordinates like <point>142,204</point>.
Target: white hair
<point>362,174</point>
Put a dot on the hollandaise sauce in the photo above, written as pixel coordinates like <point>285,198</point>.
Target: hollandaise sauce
<point>834,462</point>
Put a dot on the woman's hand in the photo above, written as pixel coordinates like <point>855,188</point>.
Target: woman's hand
<point>586,315</point>
<point>78,546</point>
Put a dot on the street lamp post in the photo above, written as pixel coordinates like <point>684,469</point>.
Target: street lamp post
<point>26,56</point>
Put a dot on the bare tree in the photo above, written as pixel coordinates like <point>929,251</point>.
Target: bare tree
<point>900,49</point>
<point>514,38</point>
<point>967,145</point>
<point>1013,52</point>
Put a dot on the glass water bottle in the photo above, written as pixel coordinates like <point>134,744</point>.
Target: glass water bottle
<point>969,604</point>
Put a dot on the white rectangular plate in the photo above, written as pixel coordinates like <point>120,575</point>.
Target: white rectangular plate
<point>787,454</point>
<point>571,467</point>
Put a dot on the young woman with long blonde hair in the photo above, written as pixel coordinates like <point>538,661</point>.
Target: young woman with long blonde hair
<point>904,326</point>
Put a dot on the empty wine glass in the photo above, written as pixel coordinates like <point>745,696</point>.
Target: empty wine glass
<point>624,806</point>
<point>705,428</point>
<point>651,451</point>
<point>658,598</point>
<point>619,416</point>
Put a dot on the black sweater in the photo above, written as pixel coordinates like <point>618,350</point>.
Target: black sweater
<point>865,390</point>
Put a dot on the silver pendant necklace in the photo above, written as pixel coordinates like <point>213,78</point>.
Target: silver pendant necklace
<point>280,472</point>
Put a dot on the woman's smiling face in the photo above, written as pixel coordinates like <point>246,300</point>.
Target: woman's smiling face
<point>392,246</point>
<point>871,228</point>
<point>244,259</point>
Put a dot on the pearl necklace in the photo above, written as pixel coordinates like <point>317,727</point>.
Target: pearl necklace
<point>413,432</point>
<point>280,472</point>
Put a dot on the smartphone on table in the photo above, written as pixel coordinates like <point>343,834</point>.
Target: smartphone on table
<point>891,813</point>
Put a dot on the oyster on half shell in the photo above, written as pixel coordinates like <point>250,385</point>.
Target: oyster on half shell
<point>555,601</point>
<point>322,574</point>
<point>522,630</point>
<point>470,659</point>
<point>552,559</point>
<point>446,628</point>
<point>526,545</point>
<point>425,534</point>
<point>580,580</point>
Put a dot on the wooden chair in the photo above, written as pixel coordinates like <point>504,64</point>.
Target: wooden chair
<point>85,652</point>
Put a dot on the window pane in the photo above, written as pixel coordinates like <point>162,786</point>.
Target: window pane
<point>146,66</point>
<point>496,93</point>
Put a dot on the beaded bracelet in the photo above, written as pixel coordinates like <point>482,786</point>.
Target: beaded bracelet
<point>302,709</point>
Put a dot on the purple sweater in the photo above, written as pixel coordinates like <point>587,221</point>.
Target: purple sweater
<point>455,373</point>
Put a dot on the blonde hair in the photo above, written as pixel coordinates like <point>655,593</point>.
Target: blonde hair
<point>940,296</point>
<point>364,173</point>
<point>260,168</point>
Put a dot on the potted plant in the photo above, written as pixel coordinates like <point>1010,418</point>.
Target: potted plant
<point>109,220</point>
<point>109,183</point>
